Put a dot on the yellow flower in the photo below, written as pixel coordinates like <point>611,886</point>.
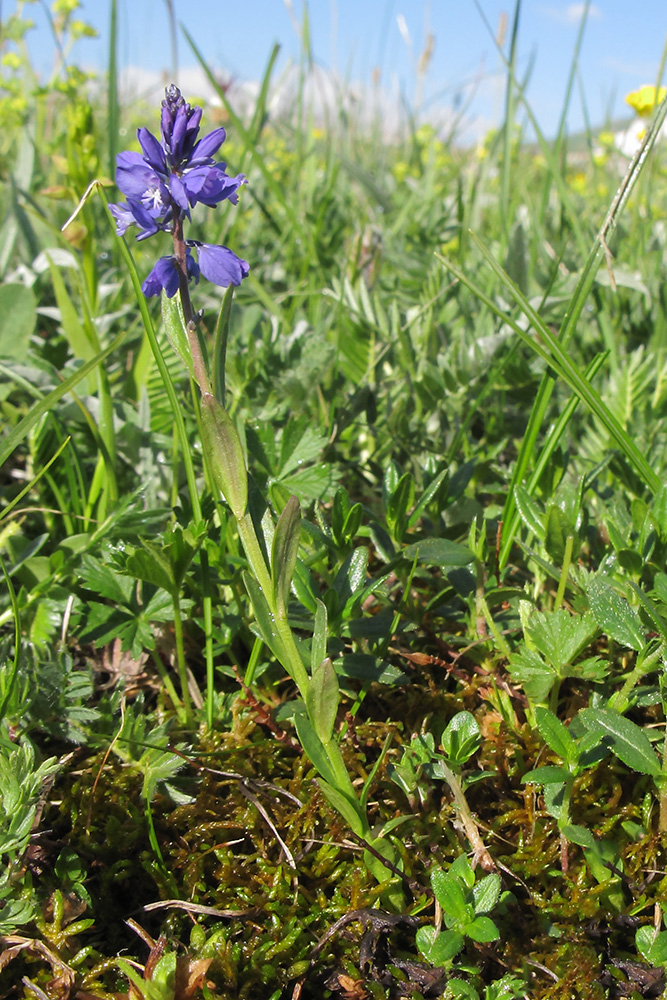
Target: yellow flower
<point>645,99</point>
<point>401,170</point>
<point>578,182</point>
<point>12,60</point>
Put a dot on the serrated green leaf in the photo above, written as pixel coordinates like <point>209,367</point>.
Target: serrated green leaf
<point>104,581</point>
<point>149,564</point>
<point>300,445</point>
<point>529,669</point>
<point>560,637</point>
<point>614,615</point>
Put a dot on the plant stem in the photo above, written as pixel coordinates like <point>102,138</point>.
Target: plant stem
<point>181,257</point>
<point>180,657</point>
<point>482,855</point>
<point>562,583</point>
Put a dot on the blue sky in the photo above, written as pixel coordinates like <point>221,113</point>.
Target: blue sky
<point>354,38</point>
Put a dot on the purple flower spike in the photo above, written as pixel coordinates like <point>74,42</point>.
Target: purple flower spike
<point>164,182</point>
<point>219,264</point>
<point>179,126</point>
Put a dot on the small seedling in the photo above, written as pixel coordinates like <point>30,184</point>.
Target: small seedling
<point>465,906</point>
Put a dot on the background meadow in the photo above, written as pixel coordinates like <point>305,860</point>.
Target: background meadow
<point>454,357</point>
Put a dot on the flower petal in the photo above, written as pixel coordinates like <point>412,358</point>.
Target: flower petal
<point>163,276</point>
<point>133,175</point>
<point>123,216</point>
<point>179,192</point>
<point>211,185</point>
<point>153,151</point>
<point>207,147</point>
<point>220,264</point>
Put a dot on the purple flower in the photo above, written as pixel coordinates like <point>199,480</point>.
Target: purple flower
<point>220,264</point>
<point>134,214</point>
<point>165,275</point>
<point>164,182</point>
<point>179,172</point>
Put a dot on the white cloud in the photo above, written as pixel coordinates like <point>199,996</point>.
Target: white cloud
<point>572,13</point>
<point>324,94</point>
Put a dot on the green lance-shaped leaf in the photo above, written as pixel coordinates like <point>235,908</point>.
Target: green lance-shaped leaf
<point>322,699</point>
<point>284,552</point>
<point>556,735</point>
<point>449,893</point>
<point>174,324</point>
<point>628,741</point>
<point>314,748</point>
<point>222,446</point>
<point>486,893</point>
<point>319,646</point>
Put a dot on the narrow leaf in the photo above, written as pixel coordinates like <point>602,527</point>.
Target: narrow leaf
<point>627,740</point>
<point>556,735</point>
<point>319,645</point>
<point>220,346</point>
<point>223,450</point>
<point>174,325</point>
<point>322,699</point>
<point>284,552</point>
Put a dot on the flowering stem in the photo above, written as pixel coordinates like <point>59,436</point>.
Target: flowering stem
<point>180,256</point>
